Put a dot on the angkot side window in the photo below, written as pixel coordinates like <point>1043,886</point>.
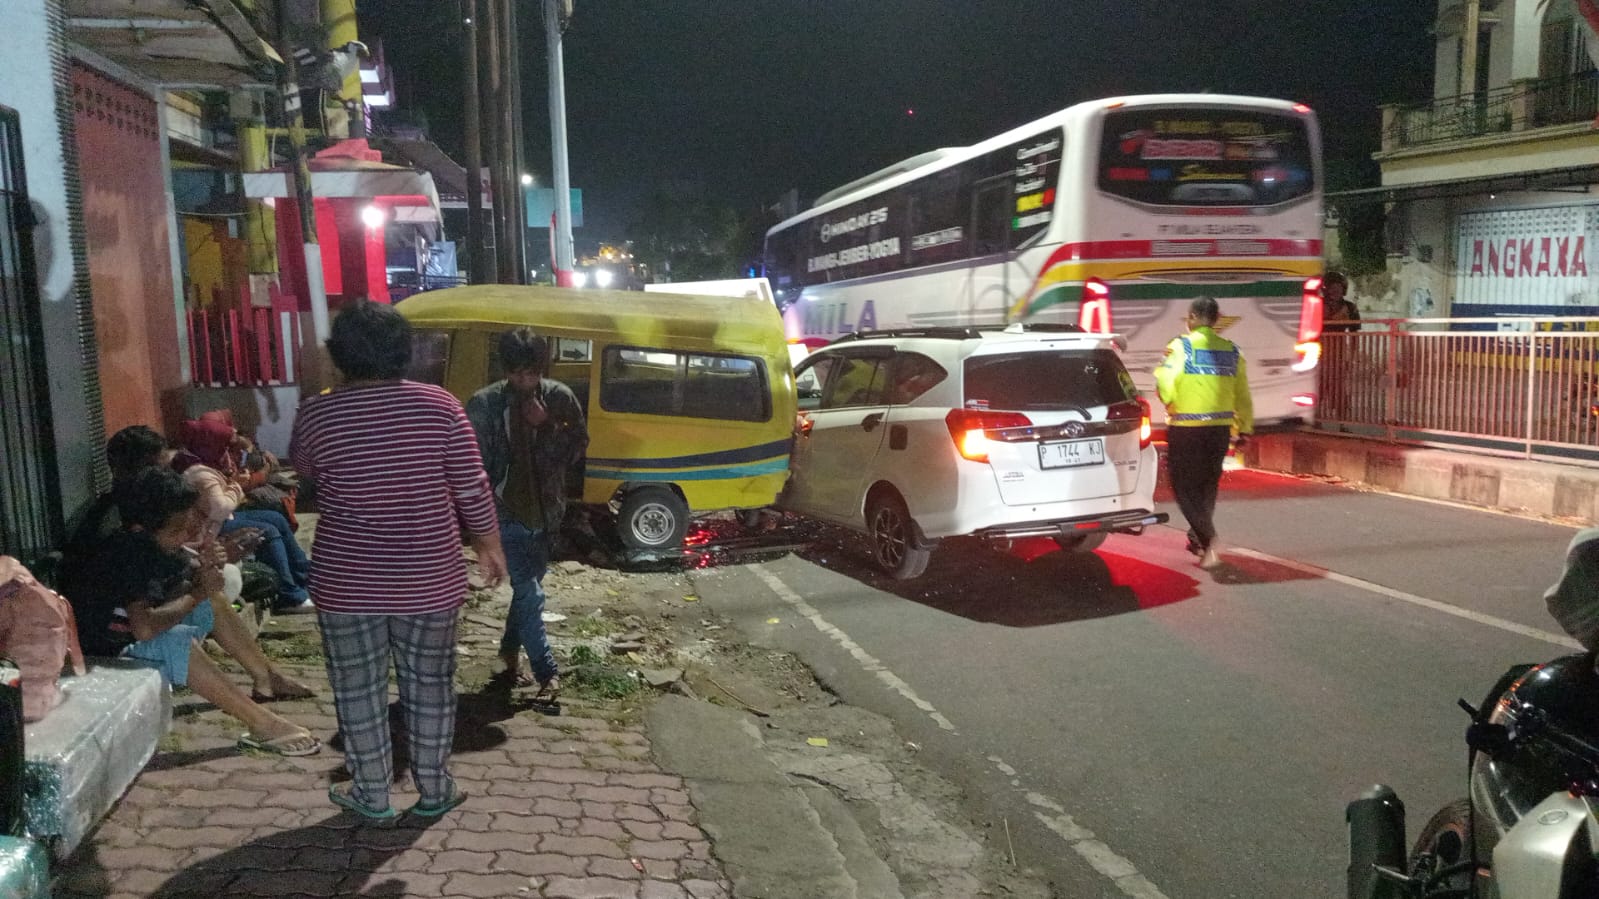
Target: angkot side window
<point>430,357</point>
<point>1206,156</point>
<point>1052,381</point>
<point>692,385</point>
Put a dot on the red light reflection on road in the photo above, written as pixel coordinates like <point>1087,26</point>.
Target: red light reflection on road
<point>1154,585</point>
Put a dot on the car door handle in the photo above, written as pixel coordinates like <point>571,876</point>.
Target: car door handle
<point>870,422</point>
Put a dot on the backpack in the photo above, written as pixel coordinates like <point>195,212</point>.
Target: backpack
<point>37,631</point>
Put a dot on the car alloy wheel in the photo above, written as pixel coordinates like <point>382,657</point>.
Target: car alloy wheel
<point>894,538</point>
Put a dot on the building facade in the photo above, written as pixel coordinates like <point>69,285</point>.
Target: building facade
<point>1490,184</point>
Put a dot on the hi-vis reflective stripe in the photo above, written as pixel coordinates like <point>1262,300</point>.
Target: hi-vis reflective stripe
<point>1202,416</point>
<point>1223,363</point>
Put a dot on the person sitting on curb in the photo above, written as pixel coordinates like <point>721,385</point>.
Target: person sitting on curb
<point>144,594</point>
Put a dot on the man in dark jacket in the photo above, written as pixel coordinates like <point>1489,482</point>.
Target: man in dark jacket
<point>531,432</point>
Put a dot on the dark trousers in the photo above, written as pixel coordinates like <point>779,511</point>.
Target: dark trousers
<point>1194,458</point>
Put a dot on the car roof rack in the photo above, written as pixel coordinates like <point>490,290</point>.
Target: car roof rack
<point>971,332</point>
<point>950,333</point>
<point>1037,328</point>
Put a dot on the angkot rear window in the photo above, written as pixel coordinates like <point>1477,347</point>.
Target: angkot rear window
<point>1206,156</point>
<point>1047,381</point>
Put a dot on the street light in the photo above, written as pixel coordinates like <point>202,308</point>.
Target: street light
<point>527,180</point>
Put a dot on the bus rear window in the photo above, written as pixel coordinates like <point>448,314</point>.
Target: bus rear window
<point>1047,381</point>
<point>1205,157</point>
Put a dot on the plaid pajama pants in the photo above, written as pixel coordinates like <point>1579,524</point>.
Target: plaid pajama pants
<point>358,649</point>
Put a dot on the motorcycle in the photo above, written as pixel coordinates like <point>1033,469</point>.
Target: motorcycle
<point>1529,826</point>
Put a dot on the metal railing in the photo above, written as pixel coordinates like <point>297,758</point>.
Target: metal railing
<point>1524,386</point>
<point>242,347</point>
<point>1519,106</point>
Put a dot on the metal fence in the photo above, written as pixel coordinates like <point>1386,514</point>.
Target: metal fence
<point>1526,386</point>
<point>1531,103</point>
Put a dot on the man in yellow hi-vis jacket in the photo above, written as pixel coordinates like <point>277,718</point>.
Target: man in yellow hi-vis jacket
<point>1206,392</point>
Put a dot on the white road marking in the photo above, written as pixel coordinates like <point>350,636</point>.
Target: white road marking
<point>1422,601</point>
<point>1050,813</point>
<point>867,660</point>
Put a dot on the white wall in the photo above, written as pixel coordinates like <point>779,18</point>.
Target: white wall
<point>27,85</point>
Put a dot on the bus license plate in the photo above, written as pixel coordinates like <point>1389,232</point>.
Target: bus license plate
<point>1071,455</point>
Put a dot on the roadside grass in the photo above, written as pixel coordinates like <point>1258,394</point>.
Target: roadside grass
<point>590,675</point>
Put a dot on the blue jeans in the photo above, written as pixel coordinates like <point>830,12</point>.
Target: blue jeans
<point>278,549</point>
<point>527,555</point>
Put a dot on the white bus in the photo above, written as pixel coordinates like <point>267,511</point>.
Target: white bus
<point>1111,215</point>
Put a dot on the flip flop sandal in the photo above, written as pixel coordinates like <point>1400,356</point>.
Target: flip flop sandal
<point>344,800</point>
<point>434,809</point>
<point>291,745</point>
<point>549,690</point>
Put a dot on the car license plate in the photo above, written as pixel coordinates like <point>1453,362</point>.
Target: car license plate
<point>1071,454</point>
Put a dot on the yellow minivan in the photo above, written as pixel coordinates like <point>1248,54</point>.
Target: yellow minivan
<point>690,399</point>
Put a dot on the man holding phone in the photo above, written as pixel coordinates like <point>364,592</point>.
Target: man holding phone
<point>531,432</point>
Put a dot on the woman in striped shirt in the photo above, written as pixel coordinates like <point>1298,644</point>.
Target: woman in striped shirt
<point>397,476</point>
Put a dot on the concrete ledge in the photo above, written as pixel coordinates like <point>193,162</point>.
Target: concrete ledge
<point>1517,485</point>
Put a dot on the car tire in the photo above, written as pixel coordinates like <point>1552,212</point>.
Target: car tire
<point>1081,543</point>
<point>652,519</point>
<point>894,538</point>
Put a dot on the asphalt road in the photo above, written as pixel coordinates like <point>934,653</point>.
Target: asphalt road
<point>1146,728</point>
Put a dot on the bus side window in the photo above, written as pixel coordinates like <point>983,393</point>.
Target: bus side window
<point>991,215</point>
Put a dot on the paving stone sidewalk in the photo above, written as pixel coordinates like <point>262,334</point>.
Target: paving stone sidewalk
<point>559,807</point>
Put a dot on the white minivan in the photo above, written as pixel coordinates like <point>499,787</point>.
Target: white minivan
<point>913,435</point>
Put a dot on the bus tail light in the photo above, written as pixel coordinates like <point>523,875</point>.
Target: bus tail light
<point>1094,315</point>
<point>968,427</point>
<point>1308,346</point>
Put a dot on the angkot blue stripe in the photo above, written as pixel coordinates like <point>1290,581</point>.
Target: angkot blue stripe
<point>771,466</point>
<point>742,454</point>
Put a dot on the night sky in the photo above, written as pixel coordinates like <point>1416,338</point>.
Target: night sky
<point>749,98</point>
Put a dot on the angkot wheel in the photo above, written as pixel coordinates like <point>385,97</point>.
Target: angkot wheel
<point>652,518</point>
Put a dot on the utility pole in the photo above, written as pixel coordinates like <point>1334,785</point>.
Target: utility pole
<point>476,265</point>
<point>517,249</point>
<point>555,12</point>
<point>489,82</point>
<point>310,355</point>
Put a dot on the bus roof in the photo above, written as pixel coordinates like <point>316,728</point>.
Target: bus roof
<point>935,160</point>
<point>741,324</point>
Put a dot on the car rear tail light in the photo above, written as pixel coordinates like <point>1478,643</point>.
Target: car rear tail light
<point>969,427</point>
<point>1308,346</point>
<point>1094,315</point>
<point>1131,409</point>
<point>1305,399</point>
